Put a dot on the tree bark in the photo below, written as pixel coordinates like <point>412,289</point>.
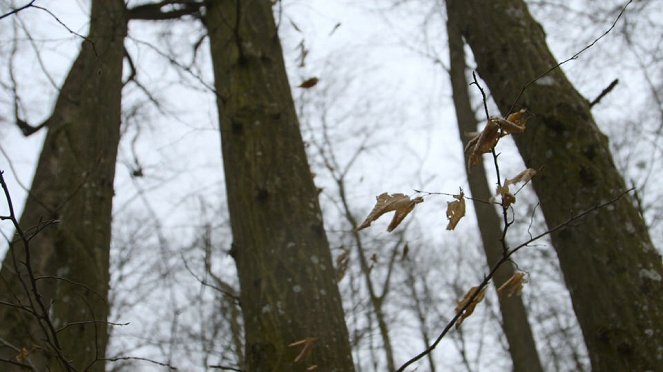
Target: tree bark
<point>72,186</point>
<point>515,325</point>
<point>610,266</point>
<point>287,279</point>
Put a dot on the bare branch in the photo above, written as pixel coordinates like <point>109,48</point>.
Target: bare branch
<point>28,5</point>
<point>154,12</point>
<point>504,259</point>
<point>604,93</point>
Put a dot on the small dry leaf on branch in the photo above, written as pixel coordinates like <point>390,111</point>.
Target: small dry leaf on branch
<point>23,355</point>
<point>342,261</point>
<point>470,308</point>
<point>455,211</point>
<point>496,128</point>
<point>399,203</point>
<point>307,347</point>
<point>524,176</point>
<point>309,83</point>
<point>513,286</point>
<point>507,197</point>
<point>518,119</point>
<point>484,142</point>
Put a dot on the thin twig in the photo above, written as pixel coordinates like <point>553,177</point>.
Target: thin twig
<point>28,5</point>
<point>504,259</point>
<point>573,57</point>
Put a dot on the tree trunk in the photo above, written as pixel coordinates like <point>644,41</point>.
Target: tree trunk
<point>73,187</point>
<point>287,279</point>
<point>514,317</point>
<point>610,266</point>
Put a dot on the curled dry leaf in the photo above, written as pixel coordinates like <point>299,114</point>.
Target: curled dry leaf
<point>342,262</point>
<point>307,347</point>
<point>470,308</point>
<point>524,176</point>
<point>485,141</point>
<point>309,83</point>
<point>399,203</point>
<point>23,355</point>
<point>513,286</point>
<point>518,119</point>
<point>507,197</point>
<point>455,211</point>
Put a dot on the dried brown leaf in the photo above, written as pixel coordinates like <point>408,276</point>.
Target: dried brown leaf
<point>23,355</point>
<point>307,347</point>
<point>507,197</point>
<point>483,143</point>
<point>455,211</point>
<point>470,308</point>
<point>518,118</point>
<point>342,261</point>
<point>309,83</point>
<point>524,176</point>
<point>495,128</point>
<point>513,286</point>
<point>399,203</point>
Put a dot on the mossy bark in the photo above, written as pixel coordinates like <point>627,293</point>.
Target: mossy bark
<point>287,279</point>
<point>610,266</point>
<point>515,325</point>
<point>73,187</point>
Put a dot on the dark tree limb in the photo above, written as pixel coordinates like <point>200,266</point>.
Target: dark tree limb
<point>604,93</point>
<point>155,12</point>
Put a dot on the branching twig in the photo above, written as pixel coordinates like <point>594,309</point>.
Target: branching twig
<point>37,305</point>
<point>503,260</point>
<point>115,359</point>
<point>573,57</point>
<point>26,6</point>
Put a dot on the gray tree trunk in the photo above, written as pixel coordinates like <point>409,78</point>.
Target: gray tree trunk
<point>73,185</point>
<point>609,264</point>
<point>287,279</point>
<point>515,325</point>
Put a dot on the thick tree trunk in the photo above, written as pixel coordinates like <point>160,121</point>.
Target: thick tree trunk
<point>514,317</point>
<point>288,288</point>
<point>609,264</point>
<point>72,186</point>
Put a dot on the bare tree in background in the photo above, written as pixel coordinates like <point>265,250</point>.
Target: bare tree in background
<point>609,263</point>
<point>514,316</point>
<point>291,306</point>
<point>61,324</point>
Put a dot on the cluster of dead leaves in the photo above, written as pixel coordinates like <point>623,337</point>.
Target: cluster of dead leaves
<point>398,203</point>
<point>402,205</point>
<point>507,197</point>
<point>466,305</point>
<point>495,129</point>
